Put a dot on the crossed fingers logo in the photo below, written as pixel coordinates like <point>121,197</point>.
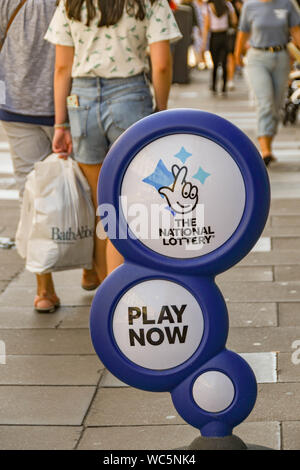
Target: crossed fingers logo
<point>182,196</point>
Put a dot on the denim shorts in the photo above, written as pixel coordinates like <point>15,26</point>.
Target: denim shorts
<point>107,107</point>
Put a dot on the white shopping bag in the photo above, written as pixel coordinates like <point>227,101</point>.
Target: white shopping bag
<point>56,227</point>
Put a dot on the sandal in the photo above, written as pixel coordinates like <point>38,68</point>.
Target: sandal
<point>268,159</point>
<point>47,303</point>
<point>91,284</point>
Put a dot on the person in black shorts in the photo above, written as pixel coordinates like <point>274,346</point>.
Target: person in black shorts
<point>220,15</point>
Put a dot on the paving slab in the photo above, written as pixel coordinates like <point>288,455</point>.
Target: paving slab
<point>287,243</point>
<point>75,317</point>
<point>70,278</point>
<point>289,365</point>
<point>264,366</point>
<point>277,402</point>
<point>263,339</point>
<point>282,175</point>
<point>289,314</point>
<point>287,273</point>
<point>282,231</point>
<point>138,437</point>
<point>131,407</point>
<point>285,220</point>
<point>39,437</point>
<point>60,406</point>
<point>285,206</point>
<point>169,437</point>
<point>11,264</point>
<point>9,216</point>
<point>291,435</point>
<point>3,285</point>
<point>289,188</point>
<point>262,273</point>
<point>246,314</point>
<point>49,341</point>
<point>51,370</point>
<point>262,244</point>
<point>28,318</point>
<point>23,296</point>
<point>260,291</point>
<point>272,258</point>
<point>108,380</point>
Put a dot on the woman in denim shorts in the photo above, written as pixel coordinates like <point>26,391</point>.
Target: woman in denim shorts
<point>267,24</point>
<point>100,84</point>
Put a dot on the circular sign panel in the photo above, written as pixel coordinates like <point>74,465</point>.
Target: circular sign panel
<point>158,324</point>
<point>183,196</point>
<point>213,391</point>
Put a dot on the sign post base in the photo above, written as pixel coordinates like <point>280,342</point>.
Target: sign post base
<point>217,443</point>
<point>222,443</point>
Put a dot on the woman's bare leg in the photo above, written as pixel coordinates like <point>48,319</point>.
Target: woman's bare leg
<point>45,285</point>
<point>265,143</point>
<point>90,279</point>
<point>46,300</point>
<point>91,172</point>
<point>113,257</point>
<point>230,67</point>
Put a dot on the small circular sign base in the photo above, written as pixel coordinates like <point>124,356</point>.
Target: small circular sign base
<point>213,391</point>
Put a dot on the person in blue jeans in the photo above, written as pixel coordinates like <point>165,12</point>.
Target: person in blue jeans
<point>267,24</point>
<point>100,84</point>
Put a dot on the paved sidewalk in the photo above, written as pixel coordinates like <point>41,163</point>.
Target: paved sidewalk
<point>56,394</point>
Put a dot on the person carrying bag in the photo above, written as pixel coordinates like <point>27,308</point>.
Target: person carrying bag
<point>100,81</point>
<point>27,105</point>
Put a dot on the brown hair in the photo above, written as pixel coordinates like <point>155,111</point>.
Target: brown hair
<point>220,7</point>
<point>111,10</point>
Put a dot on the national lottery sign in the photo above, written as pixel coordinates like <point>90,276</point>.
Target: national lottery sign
<point>183,195</point>
<point>198,187</point>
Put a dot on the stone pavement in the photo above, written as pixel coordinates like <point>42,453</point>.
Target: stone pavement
<point>56,394</point>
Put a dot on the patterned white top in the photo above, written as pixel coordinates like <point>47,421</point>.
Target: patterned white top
<point>113,51</point>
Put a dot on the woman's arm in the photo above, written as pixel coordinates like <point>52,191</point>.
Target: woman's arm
<point>295,33</point>
<point>241,40</point>
<point>233,18</point>
<point>62,142</point>
<point>161,63</point>
<point>206,29</point>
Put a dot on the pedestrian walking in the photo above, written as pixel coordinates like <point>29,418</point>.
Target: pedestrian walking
<point>267,24</point>
<point>220,15</point>
<point>27,107</point>
<point>100,84</point>
<point>232,31</point>
<point>196,41</point>
<point>200,8</point>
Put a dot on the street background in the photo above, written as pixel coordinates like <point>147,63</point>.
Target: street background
<point>54,391</point>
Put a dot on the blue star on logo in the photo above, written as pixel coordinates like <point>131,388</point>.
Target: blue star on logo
<point>183,155</point>
<point>201,175</point>
<point>160,177</point>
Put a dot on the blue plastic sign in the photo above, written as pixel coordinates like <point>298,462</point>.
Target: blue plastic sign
<point>183,195</point>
